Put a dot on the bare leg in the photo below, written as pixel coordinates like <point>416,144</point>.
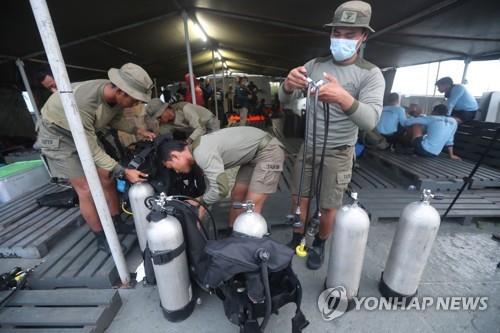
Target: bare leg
<point>416,131</point>
<point>238,194</point>
<point>327,222</point>
<point>459,121</point>
<point>87,207</point>
<point>109,187</point>
<point>258,199</point>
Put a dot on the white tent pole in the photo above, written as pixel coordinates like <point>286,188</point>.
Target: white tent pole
<point>215,87</point>
<point>466,68</point>
<point>56,61</point>
<point>20,66</point>
<point>224,101</point>
<point>190,61</point>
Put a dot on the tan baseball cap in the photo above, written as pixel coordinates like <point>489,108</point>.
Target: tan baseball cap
<point>155,108</point>
<point>352,14</point>
<point>133,80</point>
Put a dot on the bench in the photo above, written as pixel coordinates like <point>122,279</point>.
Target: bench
<point>473,137</point>
<point>28,230</point>
<point>435,173</point>
<point>389,205</point>
<point>76,262</point>
<point>62,310</point>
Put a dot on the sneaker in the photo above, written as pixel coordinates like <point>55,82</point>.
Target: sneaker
<point>316,255</point>
<point>296,239</point>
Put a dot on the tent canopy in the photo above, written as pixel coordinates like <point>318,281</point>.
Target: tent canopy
<point>263,37</point>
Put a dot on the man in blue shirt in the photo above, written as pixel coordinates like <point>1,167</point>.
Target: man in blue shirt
<point>392,119</point>
<point>461,104</point>
<point>440,130</point>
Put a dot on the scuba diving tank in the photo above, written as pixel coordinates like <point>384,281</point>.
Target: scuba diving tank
<point>347,251</point>
<point>137,195</point>
<point>250,223</point>
<point>165,240</point>
<point>410,249</point>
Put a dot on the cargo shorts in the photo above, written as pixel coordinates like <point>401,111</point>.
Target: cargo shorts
<point>337,173</point>
<point>59,150</point>
<point>263,173</point>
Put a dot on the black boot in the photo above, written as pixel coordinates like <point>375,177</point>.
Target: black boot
<point>316,254</point>
<point>296,239</point>
<point>122,227</point>
<point>102,243</point>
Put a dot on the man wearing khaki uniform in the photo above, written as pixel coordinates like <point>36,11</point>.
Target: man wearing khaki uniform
<point>259,156</point>
<point>181,116</point>
<point>354,90</point>
<point>101,104</point>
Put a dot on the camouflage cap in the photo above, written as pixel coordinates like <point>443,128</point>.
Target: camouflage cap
<point>133,80</point>
<point>352,14</point>
<point>155,108</point>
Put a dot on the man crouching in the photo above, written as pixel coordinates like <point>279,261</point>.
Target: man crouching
<point>259,156</point>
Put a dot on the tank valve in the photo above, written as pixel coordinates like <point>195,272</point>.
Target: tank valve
<point>300,250</point>
<point>249,206</point>
<point>427,196</point>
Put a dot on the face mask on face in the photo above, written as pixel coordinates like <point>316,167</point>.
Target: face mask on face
<point>343,49</point>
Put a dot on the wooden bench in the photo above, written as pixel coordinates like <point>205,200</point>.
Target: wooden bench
<point>28,230</point>
<point>387,204</point>
<point>62,310</point>
<point>435,173</point>
<point>76,262</point>
<point>473,137</point>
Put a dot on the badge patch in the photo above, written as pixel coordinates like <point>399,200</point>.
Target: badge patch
<point>49,143</point>
<point>343,178</point>
<point>269,166</point>
<point>348,16</point>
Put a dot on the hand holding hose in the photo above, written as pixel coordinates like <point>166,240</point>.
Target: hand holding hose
<point>296,80</point>
<point>332,92</point>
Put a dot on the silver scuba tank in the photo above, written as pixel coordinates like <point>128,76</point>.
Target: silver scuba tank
<point>250,223</point>
<point>347,250</point>
<point>137,194</point>
<point>166,243</point>
<point>410,249</point>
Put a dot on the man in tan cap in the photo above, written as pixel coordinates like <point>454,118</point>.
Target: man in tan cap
<point>101,103</point>
<point>181,116</point>
<point>354,90</point>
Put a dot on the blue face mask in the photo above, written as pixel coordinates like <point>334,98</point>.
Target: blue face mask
<point>343,49</point>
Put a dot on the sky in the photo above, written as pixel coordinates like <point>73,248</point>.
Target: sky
<point>482,76</point>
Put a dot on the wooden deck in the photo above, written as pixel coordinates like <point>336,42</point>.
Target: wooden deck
<point>76,262</point>
<point>388,205</point>
<point>436,173</point>
<point>63,310</point>
<point>28,230</point>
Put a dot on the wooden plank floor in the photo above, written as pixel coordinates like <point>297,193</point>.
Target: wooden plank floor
<point>76,262</point>
<point>28,230</point>
<point>437,173</point>
<point>62,310</point>
<point>31,236</point>
<point>18,208</point>
<point>387,204</point>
